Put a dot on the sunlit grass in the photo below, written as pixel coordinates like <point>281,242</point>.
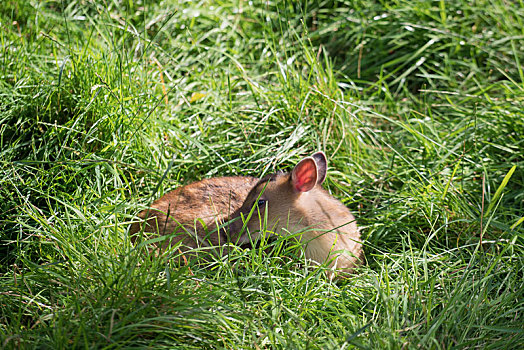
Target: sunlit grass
<point>105,106</point>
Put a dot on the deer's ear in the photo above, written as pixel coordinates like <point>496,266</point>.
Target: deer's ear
<point>304,176</point>
<point>321,161</point>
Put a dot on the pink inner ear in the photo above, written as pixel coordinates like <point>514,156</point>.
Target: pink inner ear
<point>305,175</point>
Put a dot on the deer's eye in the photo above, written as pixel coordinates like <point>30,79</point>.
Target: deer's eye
<point>261,202</point>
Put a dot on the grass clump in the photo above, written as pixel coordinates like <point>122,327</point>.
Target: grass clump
<point>107,105</point>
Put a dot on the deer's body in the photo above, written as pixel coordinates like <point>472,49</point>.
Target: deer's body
<point>294,202</point>
<point>183,211</point>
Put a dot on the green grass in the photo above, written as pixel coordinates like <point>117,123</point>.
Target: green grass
<point>105,105</point>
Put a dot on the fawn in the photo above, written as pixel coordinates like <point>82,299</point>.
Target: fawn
<point>281,203</point>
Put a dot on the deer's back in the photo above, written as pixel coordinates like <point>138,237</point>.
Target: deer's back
<point>209,200</point>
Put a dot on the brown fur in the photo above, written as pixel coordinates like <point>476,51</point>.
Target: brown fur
<point>294,201</point>
<point>182,211</point>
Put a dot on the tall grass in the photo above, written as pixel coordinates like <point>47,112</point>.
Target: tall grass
<point>106,105</point>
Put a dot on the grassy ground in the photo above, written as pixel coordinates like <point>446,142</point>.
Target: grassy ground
<point>107,104</point>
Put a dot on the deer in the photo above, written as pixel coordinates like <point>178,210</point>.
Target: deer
<point>239,209</point>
